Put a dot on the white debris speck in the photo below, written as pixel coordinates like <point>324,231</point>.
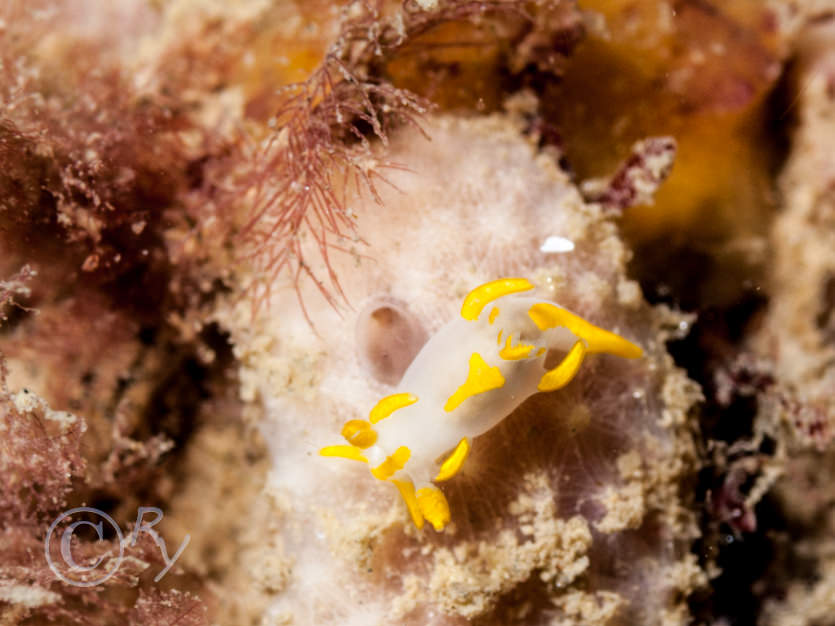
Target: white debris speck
<point>557,244</point>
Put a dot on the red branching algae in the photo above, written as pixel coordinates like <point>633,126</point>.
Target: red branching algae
<point>321,146</point>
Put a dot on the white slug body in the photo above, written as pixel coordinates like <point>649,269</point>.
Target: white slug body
<point>466,379</point>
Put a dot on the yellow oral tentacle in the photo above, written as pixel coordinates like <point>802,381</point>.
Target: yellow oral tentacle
<point>480,378</point>
<point>389,405</point>
<point>493,314</point>
<point>483,295</point>
<point>407,492</point>
<point>546,315</point>
<point>453,464</point>
<point>345,452</point>
<point>562,374</point>
<point>433,506</point>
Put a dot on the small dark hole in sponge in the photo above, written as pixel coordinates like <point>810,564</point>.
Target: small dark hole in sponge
<point>389,337</point>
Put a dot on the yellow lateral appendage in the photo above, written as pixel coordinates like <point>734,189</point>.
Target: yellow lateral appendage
<point>345,452</point>
<point>433,506</point>
<point>450,467</point>
<point>389,405</point>
<point>481,296</point>
<point>562,374</point>
<point>407,492</point>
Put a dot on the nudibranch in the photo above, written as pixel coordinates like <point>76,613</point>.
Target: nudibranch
<point>466,379</point>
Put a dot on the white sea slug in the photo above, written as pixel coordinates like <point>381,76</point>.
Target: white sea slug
<point>466,379</point>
